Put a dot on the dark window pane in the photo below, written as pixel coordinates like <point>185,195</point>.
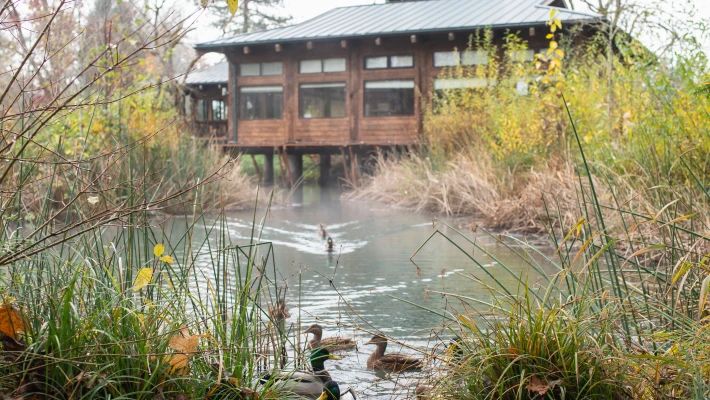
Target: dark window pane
<point>201,110</point>
<point>262,102</point>
<point>389,98</point>
<point>322,100</point>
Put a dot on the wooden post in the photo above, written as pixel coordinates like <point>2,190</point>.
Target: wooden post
<point>268,169</point>
<point>288,166</point>
<point>282,170</point>
<point>256,167</point>
<point>324,165</point>
<point>353,166</point>
<point>345,165</point>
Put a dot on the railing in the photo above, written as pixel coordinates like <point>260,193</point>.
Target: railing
<point>213,130</point>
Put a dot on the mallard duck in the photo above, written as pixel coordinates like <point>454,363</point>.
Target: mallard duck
<point>331,391</point>
<point>305,383</point>
<point>394,362</point>
<point>329,244</point>
<point>335,343</point>
<point>321,230</point>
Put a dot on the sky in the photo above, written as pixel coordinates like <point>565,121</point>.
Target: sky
<point>302,10</point>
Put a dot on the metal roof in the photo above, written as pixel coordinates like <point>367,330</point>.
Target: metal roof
<point>216,74</point>
<point>409,18</point>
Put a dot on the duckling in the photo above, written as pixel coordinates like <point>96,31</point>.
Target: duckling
<point>335,343</point>
<point>305,383</point>
<point>321,230</point>
<point>331,391</point>
<point>329,244</point>
<point>395,362</point>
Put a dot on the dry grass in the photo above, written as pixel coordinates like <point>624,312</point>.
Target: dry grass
<point>471,185</point>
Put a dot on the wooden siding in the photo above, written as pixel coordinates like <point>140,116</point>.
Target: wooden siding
<point>355,128</point>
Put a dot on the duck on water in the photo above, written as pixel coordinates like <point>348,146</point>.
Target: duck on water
<point>334,343</point>
<point>392,362</point>
<point>311,384</point>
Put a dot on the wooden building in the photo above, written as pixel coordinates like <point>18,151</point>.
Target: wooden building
<point>353,77</point>
<point>206,102</point>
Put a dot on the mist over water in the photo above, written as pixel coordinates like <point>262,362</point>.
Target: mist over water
<point>373,279</point>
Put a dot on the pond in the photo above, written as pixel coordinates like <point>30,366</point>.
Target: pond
<point>374,284</point>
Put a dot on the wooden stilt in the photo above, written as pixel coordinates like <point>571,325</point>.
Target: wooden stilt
<point>345,165</point>
<point>256,168</point>
<point>353,166</point>
<point>282,169</point>
<point>288,167</point>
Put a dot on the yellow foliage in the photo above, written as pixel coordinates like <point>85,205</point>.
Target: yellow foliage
<point>145,275</point>
<point>158,250</point>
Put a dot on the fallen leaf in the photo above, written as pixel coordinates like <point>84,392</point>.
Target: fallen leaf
<point>167,259</point>
<point>11,321</point>
<point>185,344</point>
<point>537,386</point>
<point>93,200</point>
<point>145,275</point>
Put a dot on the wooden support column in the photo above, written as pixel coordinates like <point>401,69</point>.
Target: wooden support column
<point>295,163</point>
<point>256,168</point>
<point>324,179</point>
<point>268,177</point>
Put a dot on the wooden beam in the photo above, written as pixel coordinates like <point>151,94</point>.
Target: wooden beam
<point>413,38</point>
<point>344,44</point>
<point>277,48</point>
<point>452,36</point>
<point>378,41</point>
<point>246,49</point>
<point>309,45</point>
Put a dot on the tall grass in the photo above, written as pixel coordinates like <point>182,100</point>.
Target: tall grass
<point>623,316</point>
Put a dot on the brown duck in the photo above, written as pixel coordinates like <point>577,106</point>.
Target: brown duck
<point>393,362</point>
<point>335,343</point>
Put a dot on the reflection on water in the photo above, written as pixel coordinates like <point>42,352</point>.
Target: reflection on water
<point>369,268</point>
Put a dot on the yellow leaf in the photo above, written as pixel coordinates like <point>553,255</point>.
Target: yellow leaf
<point>553,45</point>
<point>93,200</point>
<point>553,28</point>
<point>159,249</point>
<point>11,321</point>
<point>233,4</point>
<point>550,36</point>
<point>552,13</point>
<point>178,364</point>
<point>145,275</point>
<point>558,23</point>
<point>167,259</point>
<point>560,53</point>
<point>184,343</point>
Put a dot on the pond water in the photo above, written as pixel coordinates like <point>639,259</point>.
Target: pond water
<point>371,265</point>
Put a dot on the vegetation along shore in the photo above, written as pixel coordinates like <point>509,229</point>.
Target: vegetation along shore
<point>126,274</point>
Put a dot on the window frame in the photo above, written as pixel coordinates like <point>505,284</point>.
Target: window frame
<point>389,61</point>
<point>345,98</point>
<point>261,68</point>
<point>241,105</point>
<point>322,65</point>
<point>460,58</point>
<point>414,100</point>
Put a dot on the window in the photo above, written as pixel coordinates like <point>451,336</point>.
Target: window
<point>462,83</point>
<point>219,110</point>
<point>389,98</point>
<point>456,58</point>
<point>322,100</point>
<point>202,112</point>
<point>260,102</point>
<point>522,55</point>
<point>322,65</point>
<point>261,69</point>
<point>383,62</point>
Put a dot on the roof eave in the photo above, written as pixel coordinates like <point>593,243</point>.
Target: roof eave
<point>212,47</point>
